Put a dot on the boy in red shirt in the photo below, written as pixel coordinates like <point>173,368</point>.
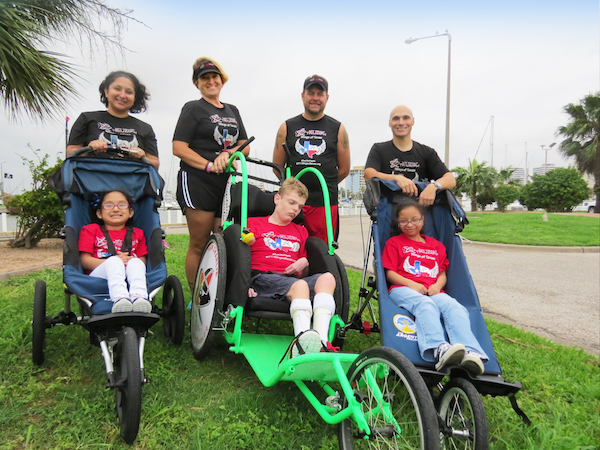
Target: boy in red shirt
<point>279,269</point>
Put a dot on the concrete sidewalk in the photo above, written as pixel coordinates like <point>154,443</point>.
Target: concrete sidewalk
<point>553,292</point>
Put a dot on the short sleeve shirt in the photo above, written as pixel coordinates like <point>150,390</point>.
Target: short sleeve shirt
<point>276,246</point>
<point>127,132</point>
<point>421,163</point>
<point>421,262</point>
<point>93,241</point>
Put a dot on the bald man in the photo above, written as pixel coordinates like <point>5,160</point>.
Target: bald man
<point>406,161</point>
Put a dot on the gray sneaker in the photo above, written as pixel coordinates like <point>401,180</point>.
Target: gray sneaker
<point>121,305</point>
<point>472,363</point>
<point>142,305</point>
<point>447,354</point>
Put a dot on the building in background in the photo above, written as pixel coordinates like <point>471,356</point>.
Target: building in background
<point>543,169</point>
<point>355,182</point>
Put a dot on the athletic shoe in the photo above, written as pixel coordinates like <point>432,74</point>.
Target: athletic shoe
<point>142,305</point>
<point>472,363</point>
<point>122,305</point>
<point>329,348</point>
<point>308,341</point>
<point>447,354</point>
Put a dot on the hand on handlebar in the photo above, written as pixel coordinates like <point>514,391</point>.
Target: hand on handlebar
<point>407,186</point>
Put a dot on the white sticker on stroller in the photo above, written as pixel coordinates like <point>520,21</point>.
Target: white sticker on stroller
<point>406,326</point>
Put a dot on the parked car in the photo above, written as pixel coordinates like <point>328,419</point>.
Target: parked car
<point>587,206</point>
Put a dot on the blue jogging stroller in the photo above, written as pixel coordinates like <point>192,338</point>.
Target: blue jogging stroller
<point>456,393</point>
<point>120,336</point>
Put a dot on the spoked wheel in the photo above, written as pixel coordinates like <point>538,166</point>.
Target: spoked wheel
<point>39,322</point>
<point>207,299</point>
<point>395,402</point>
<point>173,310</point>
<point>128,393</point>
<point>464,423</point>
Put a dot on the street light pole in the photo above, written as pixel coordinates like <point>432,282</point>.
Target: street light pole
<point>546,149</point>
<point>410,41</point>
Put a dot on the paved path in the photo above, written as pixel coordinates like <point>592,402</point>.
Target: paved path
<point>549,292</point>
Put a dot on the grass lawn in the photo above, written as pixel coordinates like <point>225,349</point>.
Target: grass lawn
<point>219,404</point>
<point>529,228</point>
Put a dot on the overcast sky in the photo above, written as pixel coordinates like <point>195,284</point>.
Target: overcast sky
<point>519,61</point>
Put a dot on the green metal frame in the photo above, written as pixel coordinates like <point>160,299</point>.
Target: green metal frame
<point>263,352</point>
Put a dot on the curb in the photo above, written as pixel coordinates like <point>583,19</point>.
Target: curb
<point>532,248</point>
<point>18,273</point>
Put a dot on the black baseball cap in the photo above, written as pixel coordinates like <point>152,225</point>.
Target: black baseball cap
<point>206,67</point>
<point>318,80</point>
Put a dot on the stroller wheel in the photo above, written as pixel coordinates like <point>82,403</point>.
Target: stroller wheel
<point>395,402</point>
<point>128,376</point>
<point>463,420</point>
<point>207,299</point>
<point>173,308</point>
<point>39,322</point>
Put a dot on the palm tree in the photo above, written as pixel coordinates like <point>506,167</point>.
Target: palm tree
<point>474,179</point>
<point>582,135</point>
<point>36,81</point>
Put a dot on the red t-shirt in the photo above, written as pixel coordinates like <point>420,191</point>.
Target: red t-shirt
<point>421,262</point>
<point>92,240</point>
<point>276,246</point>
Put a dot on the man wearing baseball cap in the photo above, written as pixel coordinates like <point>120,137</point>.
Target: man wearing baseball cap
<point>316,140</point>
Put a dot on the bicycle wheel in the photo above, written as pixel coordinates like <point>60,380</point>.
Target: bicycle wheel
<point>128,393</point>
<point>39,323</point>
<point>209,291</point>
<point>395,402</point>
<point>463,419</point>
<point>173,308</point>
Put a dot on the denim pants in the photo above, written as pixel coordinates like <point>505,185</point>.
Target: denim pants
<point>429,312</point>
<point>118,275</point>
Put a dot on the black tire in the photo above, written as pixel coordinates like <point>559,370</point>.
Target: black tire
<point>207,299</point>
<point>408,397</point>
<point>128,375</point>
<point>345,289</point>
<point>462,414</point>
<point>173,310</point>
<point>592,209</point>
<point>39,323</point>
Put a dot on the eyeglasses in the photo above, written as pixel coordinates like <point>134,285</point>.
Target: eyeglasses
<point>403,223</point>
<point>115,205</point>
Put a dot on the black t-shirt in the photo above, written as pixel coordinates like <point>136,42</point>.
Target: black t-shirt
<point>127,132</point>
<point>421,163</point>
<point>313,143</point>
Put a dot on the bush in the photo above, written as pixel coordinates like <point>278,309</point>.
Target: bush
<point>41,213</point>
<point>506,194</point>
<point>558,190</point>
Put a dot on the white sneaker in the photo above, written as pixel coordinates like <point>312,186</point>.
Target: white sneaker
<point>121,305</point>
<point>308,341</point>
<point>142,305</point>
<point>472,363</point>
<point>447,354</point>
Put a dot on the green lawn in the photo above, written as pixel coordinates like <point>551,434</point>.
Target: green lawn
<point>529,228</point>
<point>219,404</point>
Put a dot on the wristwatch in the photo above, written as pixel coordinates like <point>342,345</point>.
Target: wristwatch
<point>436,184</point>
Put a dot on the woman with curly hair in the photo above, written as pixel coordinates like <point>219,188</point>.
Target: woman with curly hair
<point>122,93</point>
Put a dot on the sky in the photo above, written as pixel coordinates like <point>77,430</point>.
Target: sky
<point>518,61</point>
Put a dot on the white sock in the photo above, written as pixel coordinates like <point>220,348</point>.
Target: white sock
<point>323,309</point>
<point>301,312</point>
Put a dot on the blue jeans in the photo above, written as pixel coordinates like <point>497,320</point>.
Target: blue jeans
<point>428,312</point>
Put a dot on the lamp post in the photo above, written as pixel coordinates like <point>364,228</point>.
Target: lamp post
<point>547,149</point>
<point>410,41</point>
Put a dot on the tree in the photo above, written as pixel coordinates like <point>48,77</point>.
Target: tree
<point>37,81</point>
<point>582,135</point>
<point>40,210</point>
<point>556,191</point>
<point>504,195</point>
<point>473,180</point>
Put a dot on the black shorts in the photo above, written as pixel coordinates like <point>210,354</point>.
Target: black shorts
<point>274,285</point>
<point>195,193</point>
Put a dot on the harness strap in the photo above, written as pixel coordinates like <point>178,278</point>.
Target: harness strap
<point>519,411</point>
<point>127,242</point>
